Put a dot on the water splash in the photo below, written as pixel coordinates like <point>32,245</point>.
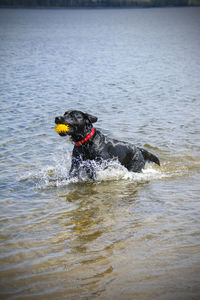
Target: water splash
<point>55,175</point>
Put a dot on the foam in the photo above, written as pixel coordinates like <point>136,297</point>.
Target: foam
<point>55,174</point>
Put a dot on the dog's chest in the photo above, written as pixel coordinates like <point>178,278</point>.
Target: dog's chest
<point>87,152</point>
<point>98,148</point>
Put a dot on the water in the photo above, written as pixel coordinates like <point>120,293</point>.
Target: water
<point>125,236</point>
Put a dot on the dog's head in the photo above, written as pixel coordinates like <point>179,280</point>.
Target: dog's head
<point>79,124</point>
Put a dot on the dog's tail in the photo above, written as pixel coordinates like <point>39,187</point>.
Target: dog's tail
<point>149,156</point>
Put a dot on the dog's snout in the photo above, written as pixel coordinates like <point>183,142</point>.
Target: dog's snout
<point>59,120</point>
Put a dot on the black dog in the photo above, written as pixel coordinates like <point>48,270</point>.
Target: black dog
<point>92,146</point>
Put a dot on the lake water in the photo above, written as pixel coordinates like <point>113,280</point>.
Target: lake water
<point>125,236</point>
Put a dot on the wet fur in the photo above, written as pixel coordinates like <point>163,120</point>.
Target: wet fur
<point>99,147</point>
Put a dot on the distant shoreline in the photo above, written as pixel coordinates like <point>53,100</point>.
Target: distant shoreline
<point>94,7</point>
<point>96,4</point>
<point>93,4</point>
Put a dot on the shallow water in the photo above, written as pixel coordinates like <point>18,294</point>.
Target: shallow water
<point>125,236</point>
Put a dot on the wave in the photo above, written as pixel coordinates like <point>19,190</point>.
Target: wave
<point>55,175</point>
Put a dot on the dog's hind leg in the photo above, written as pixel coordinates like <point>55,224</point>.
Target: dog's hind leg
<point>137,163</point>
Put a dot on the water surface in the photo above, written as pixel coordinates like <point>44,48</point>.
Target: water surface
<point>125,236</point>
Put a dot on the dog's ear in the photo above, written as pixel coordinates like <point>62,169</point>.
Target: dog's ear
<point>92,119</point>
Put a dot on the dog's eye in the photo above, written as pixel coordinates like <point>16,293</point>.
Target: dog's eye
<point>79,117</point>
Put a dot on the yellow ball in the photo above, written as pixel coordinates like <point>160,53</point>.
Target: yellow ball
<point>62,128</point>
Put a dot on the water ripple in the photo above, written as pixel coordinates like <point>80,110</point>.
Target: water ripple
<point>126,235</point>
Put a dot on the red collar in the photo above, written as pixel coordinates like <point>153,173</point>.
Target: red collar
<point>80,143</point>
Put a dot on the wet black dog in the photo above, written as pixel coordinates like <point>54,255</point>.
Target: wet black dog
<point>92,146</point>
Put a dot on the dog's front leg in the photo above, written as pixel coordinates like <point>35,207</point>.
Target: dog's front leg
<point>75,168</point>
<point>90,169</point>
<point>79,165</point>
